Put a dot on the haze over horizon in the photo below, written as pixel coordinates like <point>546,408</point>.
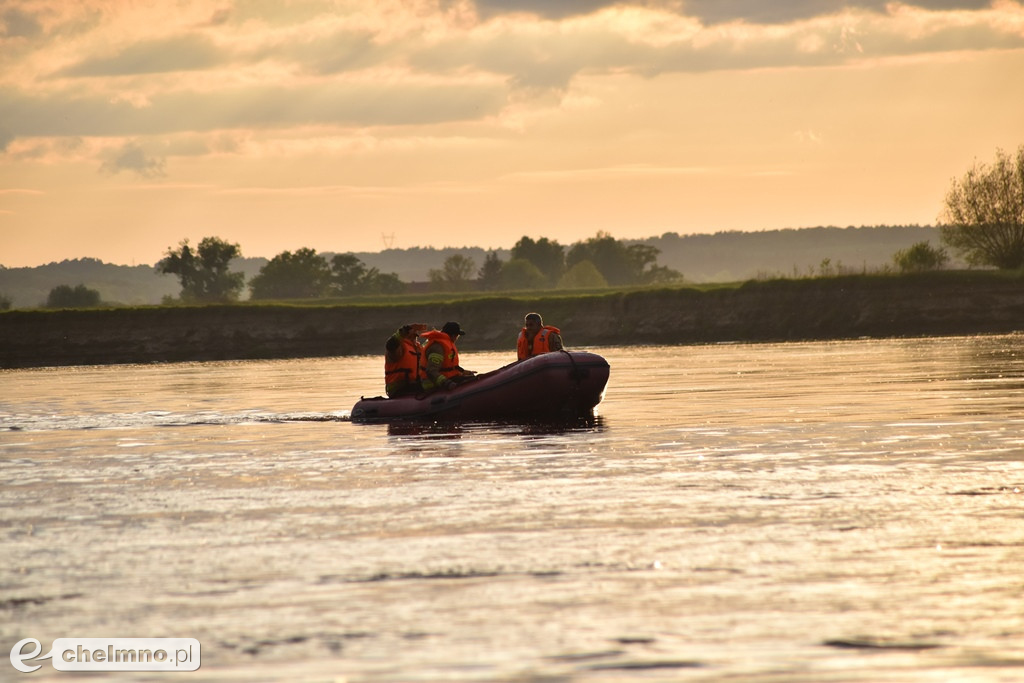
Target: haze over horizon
<point>352,126</point>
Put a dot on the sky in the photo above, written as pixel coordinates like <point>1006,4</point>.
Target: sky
<point>128,126</point>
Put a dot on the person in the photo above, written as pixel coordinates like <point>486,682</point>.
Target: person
<point>439,364</point>
<point>537,338</point>
<point>402,353</point>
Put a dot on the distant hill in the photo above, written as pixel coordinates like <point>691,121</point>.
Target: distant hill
<point>737,256</point>
<point>719,257</point>
<point>129,285</point>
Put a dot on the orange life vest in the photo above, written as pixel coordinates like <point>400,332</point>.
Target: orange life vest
<point>406,369</point>
<point>450,364</point>
<point>541,342</point>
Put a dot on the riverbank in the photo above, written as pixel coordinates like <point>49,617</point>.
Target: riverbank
<point>778,310</point>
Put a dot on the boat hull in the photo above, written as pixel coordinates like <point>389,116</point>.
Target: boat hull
<point>557,385</point>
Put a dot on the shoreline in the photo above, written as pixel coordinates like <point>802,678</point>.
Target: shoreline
<point>846,307</point>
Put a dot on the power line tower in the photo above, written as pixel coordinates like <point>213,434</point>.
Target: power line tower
<point>388,239</point>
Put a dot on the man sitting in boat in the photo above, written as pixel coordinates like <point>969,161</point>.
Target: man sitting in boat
<point>439,367</point>
<point>402,354</point>
<point>537,338</point>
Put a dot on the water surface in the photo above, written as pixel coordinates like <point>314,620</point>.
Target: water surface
<point>847,511</point>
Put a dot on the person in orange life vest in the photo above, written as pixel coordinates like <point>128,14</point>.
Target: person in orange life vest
<point>439,367</point>
<point>537,338</point>
<point>402,353</point>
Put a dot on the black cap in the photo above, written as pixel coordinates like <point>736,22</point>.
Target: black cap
<point>453,329</point>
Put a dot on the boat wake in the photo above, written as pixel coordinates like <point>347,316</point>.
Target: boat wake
<point>156,419</point>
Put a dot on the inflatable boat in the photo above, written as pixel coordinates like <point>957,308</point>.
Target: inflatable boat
<point>557,385</point>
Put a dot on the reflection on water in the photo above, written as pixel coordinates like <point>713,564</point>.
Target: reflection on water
<point>517,428</point>
<point>843,511</point>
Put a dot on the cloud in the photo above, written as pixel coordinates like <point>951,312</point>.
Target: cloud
<point>336,52</point>
<point>716,11</point>
<point>19,190</point>
<point>14,23</point>
<point>219,17</point>
<point>548,9</point>
<point>252,106</point>
<point>527,56</point>
<point>607,173</point>
<point>648,41</point>
<point>180,53</point>
<point>249,68</point>
<point>809,137</point>
<point>133,158</point>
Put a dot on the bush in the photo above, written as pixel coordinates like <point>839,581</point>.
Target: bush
<point>919,258</point>
<point>65,296</point>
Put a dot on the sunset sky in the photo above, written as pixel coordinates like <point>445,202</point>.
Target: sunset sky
<point>127,126</point>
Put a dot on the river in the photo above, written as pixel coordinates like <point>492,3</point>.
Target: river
<point>846,511</point>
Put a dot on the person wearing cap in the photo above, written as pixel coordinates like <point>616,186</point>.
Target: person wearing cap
<point>439,365</point>
<point>537,338</point>
<point>402,353</point>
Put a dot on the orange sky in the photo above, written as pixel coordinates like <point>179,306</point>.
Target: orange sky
<point>345,126</point>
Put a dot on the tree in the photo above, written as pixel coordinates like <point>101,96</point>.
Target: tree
<point>204,272</point>
<point>454,276</point>
<point>983,216</point>
<point>350,276</point>
<point>920,257</point>
<point>384,283</point>
<point>490,272</point>
<point>661,275</point>
<point>547,255</point>
<point>583,275</point>
<point>5,302</point>
<point>618,264</point>
<point>521,274</point>
<point>66,296</point>
<point>302,275</point>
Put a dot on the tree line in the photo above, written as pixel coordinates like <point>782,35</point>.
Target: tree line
<point>601,261</point>
<point>205,274</point>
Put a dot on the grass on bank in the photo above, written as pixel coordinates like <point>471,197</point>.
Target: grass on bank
<point>540,298</point>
